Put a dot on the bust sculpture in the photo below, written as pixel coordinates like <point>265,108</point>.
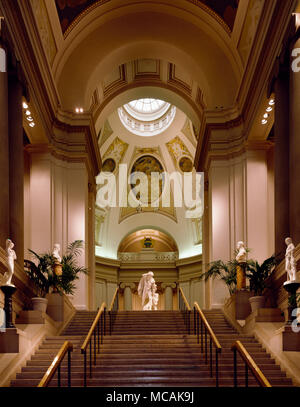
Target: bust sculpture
<point>56,254</point>
<point>147,290</point>
<point>290,263</point>
<point>11,257</point>
<point>241,257</point>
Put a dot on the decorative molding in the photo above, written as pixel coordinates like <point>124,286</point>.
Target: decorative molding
<point>172,79</point>
<point>148,256</point>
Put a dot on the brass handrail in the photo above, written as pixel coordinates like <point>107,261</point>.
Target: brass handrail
<point>184,299</point>
<point>93,327</point>
<point>66,347</point>
<point>208,327</point>
<point>201,322</point>
<point>113,299</point>
<point>258,374</point>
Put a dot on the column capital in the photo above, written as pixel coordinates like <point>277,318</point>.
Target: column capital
<point>123,285</point>
<point>165,285</point>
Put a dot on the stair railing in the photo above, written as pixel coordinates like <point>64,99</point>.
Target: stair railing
<point>238,347</point>
<point>113,309</point>
<point>185,310</point>
<point>66,348</point>
<point>202,330</point>
<point>93,340</point>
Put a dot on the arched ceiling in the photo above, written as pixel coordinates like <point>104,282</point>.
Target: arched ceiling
<point>161,241</point>
<point>70,10</point>
<point>106,39</point>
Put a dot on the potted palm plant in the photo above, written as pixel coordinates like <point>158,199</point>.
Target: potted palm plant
<point>258,275</point>
<point>225,271</point>
<point>43,275</point>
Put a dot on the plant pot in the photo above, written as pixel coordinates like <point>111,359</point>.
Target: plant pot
<point>257,302</point>
<point>39,304</point>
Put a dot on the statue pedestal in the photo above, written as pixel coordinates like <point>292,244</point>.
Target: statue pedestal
<point>9,341</point>
<point>8,291</point>
<point>291,287</point>
<point>290,340</point>
<point>55,308</point>
<point>242,305</point>
<point>241,276</point>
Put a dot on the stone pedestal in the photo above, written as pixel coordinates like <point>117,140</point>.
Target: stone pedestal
<point>291,287</point>
<point>30,317</point>
<point>242,304</point>
<point>241,276</point>
<point>55,307</point>
<point>8,291</point>
<point>290,339</point>
<point>9,341</point>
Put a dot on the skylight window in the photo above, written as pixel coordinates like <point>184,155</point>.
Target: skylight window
<point>147,117</point>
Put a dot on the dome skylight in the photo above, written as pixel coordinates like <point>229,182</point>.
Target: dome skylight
<point>147,117</point>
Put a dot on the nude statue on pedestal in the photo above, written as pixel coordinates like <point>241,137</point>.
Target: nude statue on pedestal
<point>11,257</point>
<point>290,263</point>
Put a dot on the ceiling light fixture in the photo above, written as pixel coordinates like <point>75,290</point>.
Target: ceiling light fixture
<point>272,102</point>
<point>264,121</point>
<point>25,105</point>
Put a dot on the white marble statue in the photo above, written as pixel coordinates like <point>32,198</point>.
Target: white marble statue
<point>11,257</point>
<point>147,290</point>
<point>241,257</point>
<point>290,263</point>
<point>56,254</point>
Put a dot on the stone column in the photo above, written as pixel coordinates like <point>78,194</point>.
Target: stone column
<point>168,287</point>
<point>4,154</point>
<point>294,154</point>
<point>16,166</point>
<point>127,287</point>
<point>281,128</point>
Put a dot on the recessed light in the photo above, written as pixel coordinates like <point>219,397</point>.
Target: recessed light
<point>272,102</point>
<point>29,118</point>
<point>266,115</point>
<point>28,113</point>
<point>77,110</point>
<point>269,109</point>
<point>32,124</point>
<point>81,110</point>
<point>264,121</point>
<point>25,105</point>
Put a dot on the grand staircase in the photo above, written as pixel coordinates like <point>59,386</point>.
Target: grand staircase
<point>149,348</point>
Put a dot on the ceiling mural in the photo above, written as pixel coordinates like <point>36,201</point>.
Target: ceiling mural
<point>69,10</point>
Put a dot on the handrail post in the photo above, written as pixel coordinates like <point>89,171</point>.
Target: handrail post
<point>84,369</point>
<point>210,357</point>
<point>217,368</point>
<point>69,368</point>
<point>195,321</point>
<point>95,347</point>
<point>234,368</point>
<point>205,345</point>
<point>90,343</point>
<point>58,376</point>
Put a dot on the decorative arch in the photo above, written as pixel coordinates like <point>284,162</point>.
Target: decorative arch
<point>104,40</point>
